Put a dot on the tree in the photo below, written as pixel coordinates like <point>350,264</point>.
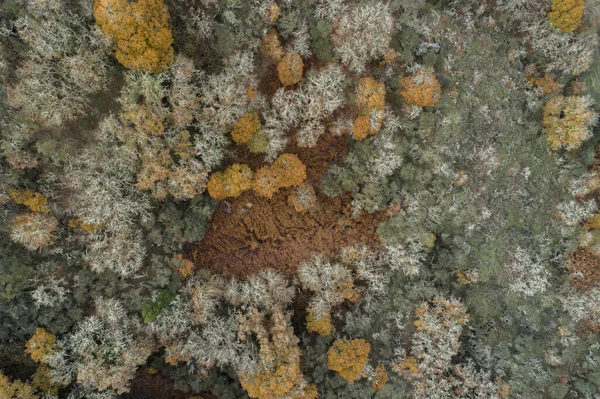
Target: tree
<point>422,88</point>
<point>566,14</point>
<point>15,389</point>
<point>348,358</point>
<point>34,230</point>
<point>567,121</point>
<point>41,344</point>
<point>140,31</point>
<point>35,201</point>
<point>303,198</point>
<point>287,171</point>
<point>245,128</point>
<point>231,183</point>
<point>370,99</point>
<point>290,69</point>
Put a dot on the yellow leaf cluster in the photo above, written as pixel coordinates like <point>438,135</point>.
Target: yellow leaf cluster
<point>140,31</point>
<point>290,69</point>
<point>41,344</point>
<point>34,200</point>
<point>245,128</point>
<point>567,121</point>
<point>370,99</point>
<point>566,14</point>
<point>88,228</point>
<point>421,89</point>
<point>348,358</point>
<point>42,380</point>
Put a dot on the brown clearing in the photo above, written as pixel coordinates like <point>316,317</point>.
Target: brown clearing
<point>251,233</point>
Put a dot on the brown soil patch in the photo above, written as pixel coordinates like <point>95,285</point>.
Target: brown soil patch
<point>251,233</point>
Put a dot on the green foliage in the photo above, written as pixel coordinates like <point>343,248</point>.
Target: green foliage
<point>152,309</point>
<point>319,40</point>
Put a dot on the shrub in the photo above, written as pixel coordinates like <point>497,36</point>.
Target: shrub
<point>421,89</point>
<point>290,69</point>
<point>348,358</point>
<point>566,14</point>
<point>34,230</point>
<point>245,128</point>
<point>140,31</point>
<point>567,121</point>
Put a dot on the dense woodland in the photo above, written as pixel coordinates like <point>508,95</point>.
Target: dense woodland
<point>286,199</point>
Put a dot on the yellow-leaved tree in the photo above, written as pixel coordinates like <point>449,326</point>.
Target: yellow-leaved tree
<point>140,31</point>
<point>566,14</point>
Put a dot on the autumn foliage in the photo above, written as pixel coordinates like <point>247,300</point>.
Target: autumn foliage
<point>290,69</point>
<point>245,128</point>
<point>231,183</point>
<point>348,358</point>
<point>286,171</point>
<point>567,121</point>
<point>421,89</point>
<point>321,326</point>
<point>35,201</point>
<point>15,389</point>
<point>40,345</point>
<point>370,99</point>
<point>140,31</point>
<point>566,14</point>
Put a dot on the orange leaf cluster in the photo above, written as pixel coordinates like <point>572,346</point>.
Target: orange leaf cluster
<point>370,99</point>
<point>380,379</point>
<point>271,47</point>
<point>566,14</point>
<point>245,128</point>
<point>321,326</point>
<point>547,83</point>
<point>348,358</point>
<point>273,13</point>
<point>140,31</point>
<point>290,69</point>
<point>287,171</point>
<point>40,345</point>
<point>34,200</point>
<point>231,183</point>
<point>184,267</point>
<point>422,88</point>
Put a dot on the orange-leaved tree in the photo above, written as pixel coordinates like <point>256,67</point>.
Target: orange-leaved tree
<point>140,31</point>
<point>422,88</point>
<point>245,128</point>
<point>34,200</point>
<point>231,183</point>
<point>287,171</point>
<point>40,345</point>
<point>290,69</point>
<point>566,14</point>
<point>348,358</point>
<point>370,99</point>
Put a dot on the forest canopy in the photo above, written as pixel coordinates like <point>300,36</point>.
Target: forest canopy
<point>299,199</point>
